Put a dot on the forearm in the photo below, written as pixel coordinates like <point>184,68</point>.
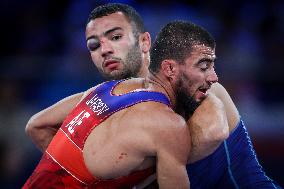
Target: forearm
<point>176,178</point>
<point>172,159</point>
<point>41,136</point>
<point>44,125</point>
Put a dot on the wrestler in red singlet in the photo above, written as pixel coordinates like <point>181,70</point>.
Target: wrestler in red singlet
<point>62,165</point>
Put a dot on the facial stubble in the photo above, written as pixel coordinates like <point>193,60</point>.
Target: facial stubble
<point>131,65</point>
<point>185,103</point>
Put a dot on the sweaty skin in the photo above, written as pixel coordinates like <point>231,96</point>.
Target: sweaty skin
<point>110,40</point>
<point>116,36</point>
<point>205,137</point>
<point>121,145</point>
<point>158,133</point>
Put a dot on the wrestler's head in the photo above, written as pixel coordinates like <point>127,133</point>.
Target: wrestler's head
<point>185,54</point>
<point>117,41</point>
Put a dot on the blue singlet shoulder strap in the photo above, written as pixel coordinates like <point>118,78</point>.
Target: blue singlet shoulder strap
<point>115,103</point>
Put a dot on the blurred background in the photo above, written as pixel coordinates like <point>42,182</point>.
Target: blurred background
<point>44,59</point>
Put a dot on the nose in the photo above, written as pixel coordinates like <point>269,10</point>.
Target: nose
<point>106,48</point>
<point>212,77</point>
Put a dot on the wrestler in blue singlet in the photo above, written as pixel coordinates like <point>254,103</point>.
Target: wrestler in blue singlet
<point>233,165</point>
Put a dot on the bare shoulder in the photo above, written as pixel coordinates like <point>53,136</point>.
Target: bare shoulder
<point>208,126</point>
<point>211,113</point>
<point>211,101</point>
<point>156,119</point>
<point>219,90</point>
<point>160,116</point>
<point>164,125</point>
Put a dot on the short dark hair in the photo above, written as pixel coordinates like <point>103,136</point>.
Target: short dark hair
<point>175,41</point>
<point>129,12</point>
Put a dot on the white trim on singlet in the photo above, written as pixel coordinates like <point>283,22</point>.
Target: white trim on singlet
<point>64,168</point>
<point>71,140</point>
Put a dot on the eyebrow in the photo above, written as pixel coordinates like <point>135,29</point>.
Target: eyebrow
<point>206,60</point>
<point>105,33</point>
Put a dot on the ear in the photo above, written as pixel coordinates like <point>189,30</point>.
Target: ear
<point>170,69</point>
<point>145,42</point>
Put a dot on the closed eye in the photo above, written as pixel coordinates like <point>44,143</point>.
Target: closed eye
<point>205,65</point>
<point>204,69</point>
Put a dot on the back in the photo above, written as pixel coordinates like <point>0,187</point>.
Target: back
<point>112,150</point>
<point>119,145</point>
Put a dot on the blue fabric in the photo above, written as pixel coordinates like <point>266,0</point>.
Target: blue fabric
<point>118,102</point>
<point>233,165</point>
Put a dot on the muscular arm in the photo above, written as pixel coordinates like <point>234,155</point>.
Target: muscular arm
<point>208,128</point>
<point>173,147</point>
<point>212,122</point>
<point>230,108</point>
<point>42,126</point>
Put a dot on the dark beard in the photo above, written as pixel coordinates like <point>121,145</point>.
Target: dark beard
<point>132,65</point>
<point>133,62</point>
<point>185,104</point>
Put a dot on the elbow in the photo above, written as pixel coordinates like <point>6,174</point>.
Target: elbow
<point>31,126</point>
<point>215,135</point>
<point>221,133</point>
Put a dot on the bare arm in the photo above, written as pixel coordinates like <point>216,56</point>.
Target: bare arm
<point>212,122</point>
<point>173,147</point>
<point>230,108</point>
<point>43,126</point>
<point>208,128</point>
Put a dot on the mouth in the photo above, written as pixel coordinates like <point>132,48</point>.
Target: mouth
<point>203,89</point>
<point>202,93</point>
<point>111,64</point>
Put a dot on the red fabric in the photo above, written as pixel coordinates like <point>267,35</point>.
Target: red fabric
<point>69,156</point>
<point>62,165</point>
<point>49,175</point>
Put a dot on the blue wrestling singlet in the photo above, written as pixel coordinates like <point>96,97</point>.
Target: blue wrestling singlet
<point>233,165</point>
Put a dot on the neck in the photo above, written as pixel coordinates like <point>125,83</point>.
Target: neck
<point>144,72</point>
<point>163,84</point>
